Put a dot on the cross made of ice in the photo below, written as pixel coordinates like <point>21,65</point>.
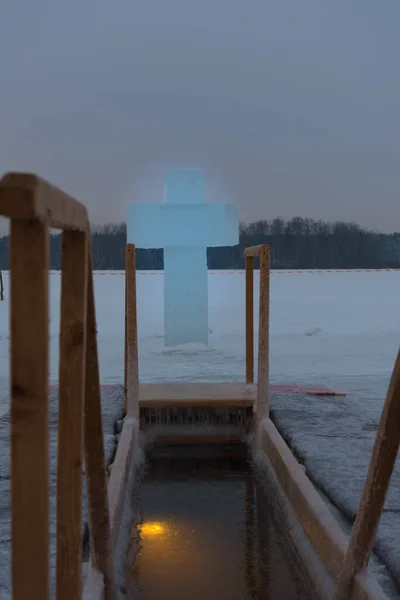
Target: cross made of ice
<point>184,226</point>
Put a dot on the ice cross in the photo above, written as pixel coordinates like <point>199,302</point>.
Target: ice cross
<point>184,226</point>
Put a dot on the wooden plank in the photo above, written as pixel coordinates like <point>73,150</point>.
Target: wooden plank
<point>29,265</point>
<point>249,319</point>
<point>119,477</point>
<point>313,514</point>
<point>253,251</point>
<point>94,588</point>
<point>377,483</point>
<point>196,394</point>
<point>27,196</point>
<point>126,335</point>
<point>131,335</point>
<point>70,414</point>
<point>263,336</point>
<point>99,521</point>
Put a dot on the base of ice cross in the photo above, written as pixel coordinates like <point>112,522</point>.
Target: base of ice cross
<point>185,296</point>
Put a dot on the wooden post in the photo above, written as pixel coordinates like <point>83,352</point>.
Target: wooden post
<point>263,336</point>
<point>249,319</point>
<point>376,486</point>
<point>126,334</point>
<point>1,287</point>
<point>29,273</point>
<point>70,415</point>
<point>99,519</point>
<point>131,335</point>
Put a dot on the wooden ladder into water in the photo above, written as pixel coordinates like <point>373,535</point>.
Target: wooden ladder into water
<point>33,206</point>
<point>244,397</point>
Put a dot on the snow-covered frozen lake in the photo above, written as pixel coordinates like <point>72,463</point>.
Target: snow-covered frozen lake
<point>337,329</point>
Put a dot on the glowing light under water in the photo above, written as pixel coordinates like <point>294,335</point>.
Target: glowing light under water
<point>153,528</point>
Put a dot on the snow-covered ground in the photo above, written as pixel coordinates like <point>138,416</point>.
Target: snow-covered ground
<point>339,329</point>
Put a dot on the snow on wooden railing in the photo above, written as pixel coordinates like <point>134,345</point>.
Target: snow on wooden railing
<point>33,207</point>
<point>263,253</point>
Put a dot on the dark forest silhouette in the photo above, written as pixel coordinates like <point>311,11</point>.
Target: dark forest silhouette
<point>295,244</point>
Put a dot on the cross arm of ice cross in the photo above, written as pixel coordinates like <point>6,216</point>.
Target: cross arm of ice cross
<point>184,226</point>
<point>180,225</point>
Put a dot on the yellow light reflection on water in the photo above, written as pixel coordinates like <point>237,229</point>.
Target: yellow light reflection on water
<point>153,528</point>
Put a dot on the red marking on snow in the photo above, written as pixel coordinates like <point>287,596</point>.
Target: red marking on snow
<point>304,390</point>
<point>285,388</point>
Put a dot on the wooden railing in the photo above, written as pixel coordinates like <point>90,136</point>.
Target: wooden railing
<point>33,206</point>
<point>131,377</point>
<point>376,486</point>
<point>129,438</point>
<point>346,565</point>
<point>262,407</point>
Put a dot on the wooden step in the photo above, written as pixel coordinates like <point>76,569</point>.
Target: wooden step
<point>164,395</point>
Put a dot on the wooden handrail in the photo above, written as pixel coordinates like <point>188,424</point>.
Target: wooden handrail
<point>347,566</point>
<point>249,261</point>
<point>27,196</point>
<point>33,206</point>
<point>263,252</point>
<point>377,483</point>
<point>131,336</point>
<point>386,445</point>
<point>254,250</point>
<point>71,400</point>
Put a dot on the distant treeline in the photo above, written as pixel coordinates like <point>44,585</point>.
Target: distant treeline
<point>295,244</point>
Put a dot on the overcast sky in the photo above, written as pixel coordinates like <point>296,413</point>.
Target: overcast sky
<point>290,106</point>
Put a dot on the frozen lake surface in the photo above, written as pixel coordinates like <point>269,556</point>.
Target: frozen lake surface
<point>340,329</point>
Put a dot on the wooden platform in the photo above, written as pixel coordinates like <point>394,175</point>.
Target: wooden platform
<point>162,395</point>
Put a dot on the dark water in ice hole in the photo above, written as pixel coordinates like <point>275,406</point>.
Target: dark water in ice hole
<point>208,532</point>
